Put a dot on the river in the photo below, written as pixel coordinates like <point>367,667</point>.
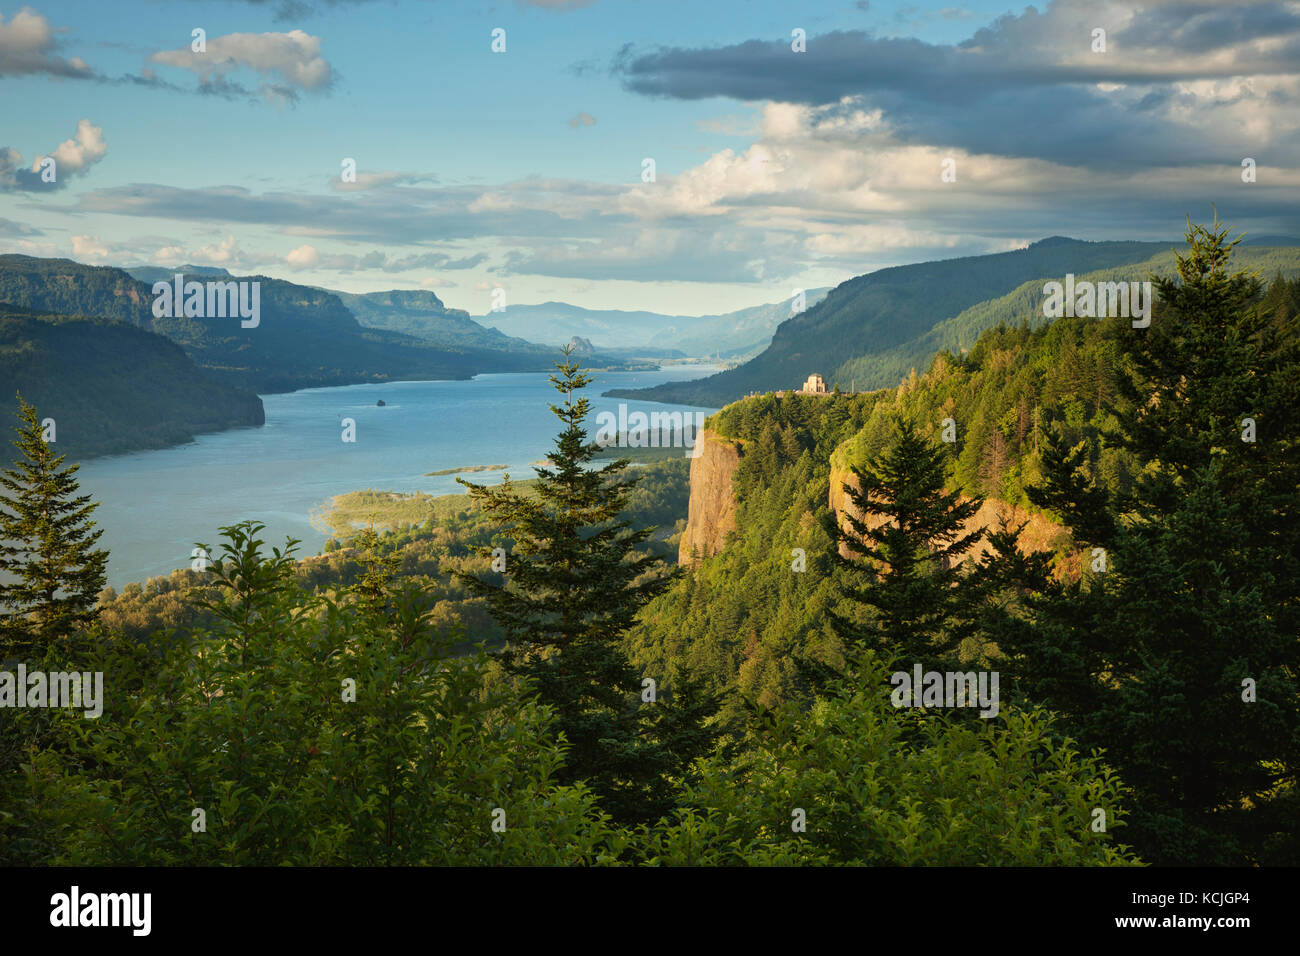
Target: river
<point>155,505</point>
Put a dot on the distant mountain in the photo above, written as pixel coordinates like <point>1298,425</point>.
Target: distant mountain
<point>740,334</point>
<point>869,331</point>
<point>557,322</point>
<point>729,335</point>
<point>109,386</point>
<point>1278,241</point>
<point>422,314</point>
<point>306,337</point>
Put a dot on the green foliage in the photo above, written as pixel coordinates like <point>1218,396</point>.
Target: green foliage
<point>251,723</point>
<point>1202,591</point>
<point>238,701</point>
<point>431,538</point>
<point>573,584</point>
<point>900,546</point>
<point>1016,391</point>
<point>742,619</point>
<point>881,786</point>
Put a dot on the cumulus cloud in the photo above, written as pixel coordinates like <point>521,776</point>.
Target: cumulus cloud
<point>27,47</point>
<point>833,187</point>
<point>71,158</point>
<point>90,249</point>
<point>304,257</point>
<point>288,63</point>
<point>1180,81</point>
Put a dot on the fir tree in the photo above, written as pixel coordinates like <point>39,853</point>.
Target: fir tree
<point>1080,502</point>
<point>903,548</point>
<point>1180,657</point>
<point>52,572</point>
<point>574,581</point>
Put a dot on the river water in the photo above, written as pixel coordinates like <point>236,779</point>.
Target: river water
<point>156,504</point>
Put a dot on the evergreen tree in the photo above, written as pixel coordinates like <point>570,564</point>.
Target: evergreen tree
<point>574,582</point>
<point>909,531</point>
<point>51,569</point>
<point>1177,649</point>
<point>1080,502</point>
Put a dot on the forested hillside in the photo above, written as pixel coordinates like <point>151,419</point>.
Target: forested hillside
<point>1025,304</point>
<point>1015,392</point>
<point>305,338</point>
<point>871,331</point>
<point>1042,418</point>
<point>111,387</point>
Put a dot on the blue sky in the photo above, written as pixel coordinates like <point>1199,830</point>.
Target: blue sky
<point>775,170</point>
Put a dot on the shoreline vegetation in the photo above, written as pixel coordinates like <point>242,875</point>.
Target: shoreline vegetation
<point>348,513</point>
<point>464,470</point>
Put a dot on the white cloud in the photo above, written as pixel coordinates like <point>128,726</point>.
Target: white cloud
<point>26,45</point>
<point>71,157</point>
<point>289,62</point>
<point>90,249</point>
<point>304,257</point>
<point>75,155</point>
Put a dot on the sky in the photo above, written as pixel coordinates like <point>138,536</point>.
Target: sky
<point>793,144</point>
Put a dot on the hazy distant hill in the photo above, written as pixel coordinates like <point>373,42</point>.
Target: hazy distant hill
<point>109,386</point>
<point>743,333</point>
<point>730,335</point>
<point>422,314</point>
<point>557,322</point>
<point>889,313</point>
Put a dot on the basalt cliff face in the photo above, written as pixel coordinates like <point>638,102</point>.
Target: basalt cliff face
<point>1039,534</point>
<point>712,510</point>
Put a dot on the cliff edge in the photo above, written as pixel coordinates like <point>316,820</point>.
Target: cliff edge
<point>711,515</point>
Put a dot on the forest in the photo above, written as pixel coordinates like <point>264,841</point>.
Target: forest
<point>522,675</point>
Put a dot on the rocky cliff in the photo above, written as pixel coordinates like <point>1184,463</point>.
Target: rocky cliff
<point>712,511</point>
<point>1039,533</point>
